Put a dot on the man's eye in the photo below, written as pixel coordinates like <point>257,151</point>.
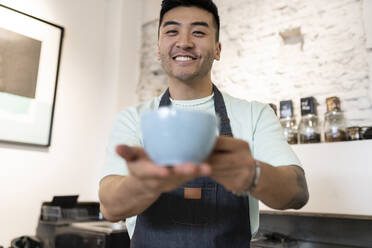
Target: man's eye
<point>171,32</point>
<point>198,33</point>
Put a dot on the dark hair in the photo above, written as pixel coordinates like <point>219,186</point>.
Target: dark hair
<point>207,5</point>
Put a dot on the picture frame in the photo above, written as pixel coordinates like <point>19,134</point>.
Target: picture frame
<point>30,54</point>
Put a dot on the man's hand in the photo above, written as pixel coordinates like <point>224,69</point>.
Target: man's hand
<point>155,179</point>
<point>280,187</point>
<point>125,196</point>
<point>232,164</point>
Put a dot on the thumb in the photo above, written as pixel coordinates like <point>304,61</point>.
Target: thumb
<point>130,153</point>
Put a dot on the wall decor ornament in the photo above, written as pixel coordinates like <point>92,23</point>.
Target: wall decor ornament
<point>30,52</point>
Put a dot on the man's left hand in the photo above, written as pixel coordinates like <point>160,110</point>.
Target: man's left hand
<point>232,164</point>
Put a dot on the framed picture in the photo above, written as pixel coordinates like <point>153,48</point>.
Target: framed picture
<point>30,52</point>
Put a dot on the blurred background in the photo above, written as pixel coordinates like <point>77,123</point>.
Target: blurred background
<point>271,51</point>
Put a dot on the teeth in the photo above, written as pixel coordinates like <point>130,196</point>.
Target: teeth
<point>181,58</point>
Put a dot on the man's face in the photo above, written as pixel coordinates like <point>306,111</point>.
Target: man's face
<point>187,45</point>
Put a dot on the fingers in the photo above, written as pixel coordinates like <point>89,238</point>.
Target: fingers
<point>145,169</point>
<point>205,169</point>
<point>225,164</point>
<point>139,164</point>
<point>190,169</point>
<point>222,161</point>
<point>130,153</point>
<point>157,177</point>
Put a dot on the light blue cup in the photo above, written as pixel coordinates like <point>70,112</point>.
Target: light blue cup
<point>174,136</point>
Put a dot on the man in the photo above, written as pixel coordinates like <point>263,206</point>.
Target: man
<point>213,204</point>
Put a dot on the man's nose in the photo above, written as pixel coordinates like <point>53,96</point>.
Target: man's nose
<point>184,41</point>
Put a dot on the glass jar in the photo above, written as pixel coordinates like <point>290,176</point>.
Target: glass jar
<point>309,129</point>
<point>363,131</point>
<point>290,129</point>
<point>334,127</point>
<point>367,132</point>
<point>354,133</point>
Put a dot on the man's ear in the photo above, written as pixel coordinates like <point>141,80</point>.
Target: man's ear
<point>217,55</point>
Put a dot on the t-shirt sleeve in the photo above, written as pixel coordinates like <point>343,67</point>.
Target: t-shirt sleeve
<point>124,131</point>
<point>269,143</point>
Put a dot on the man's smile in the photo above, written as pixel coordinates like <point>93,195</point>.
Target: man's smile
<point>184,59</point>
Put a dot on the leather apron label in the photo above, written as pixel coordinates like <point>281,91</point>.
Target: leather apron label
<point>192,193</point>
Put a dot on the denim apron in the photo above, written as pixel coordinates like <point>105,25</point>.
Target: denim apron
<point>217,219</point>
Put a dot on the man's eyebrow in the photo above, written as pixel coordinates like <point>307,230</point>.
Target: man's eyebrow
<point>200,23</point>
<point>168,23</point>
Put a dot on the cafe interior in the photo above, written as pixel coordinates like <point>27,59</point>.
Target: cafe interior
<point>79,63</point>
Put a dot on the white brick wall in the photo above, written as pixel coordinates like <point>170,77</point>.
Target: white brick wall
<point>367,8</point>
<point>278,50</point>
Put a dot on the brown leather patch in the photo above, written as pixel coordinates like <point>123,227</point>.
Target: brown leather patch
<point>192,193</point>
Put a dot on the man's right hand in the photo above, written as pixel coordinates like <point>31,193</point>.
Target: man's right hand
<point>126,196</point>
<point>155,179</point>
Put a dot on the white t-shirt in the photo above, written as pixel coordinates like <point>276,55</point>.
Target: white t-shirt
<point>253,122</point>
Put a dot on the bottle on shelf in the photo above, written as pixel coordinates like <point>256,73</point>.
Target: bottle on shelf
<point>354,133</point>
<point>309,127</point>
<point>288,122</point>
<point>367,132</point>
<point>363,129</point>
<point>334,121</point>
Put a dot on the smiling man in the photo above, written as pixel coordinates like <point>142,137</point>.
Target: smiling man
<point>214,204</point>
<point>188,48</point>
